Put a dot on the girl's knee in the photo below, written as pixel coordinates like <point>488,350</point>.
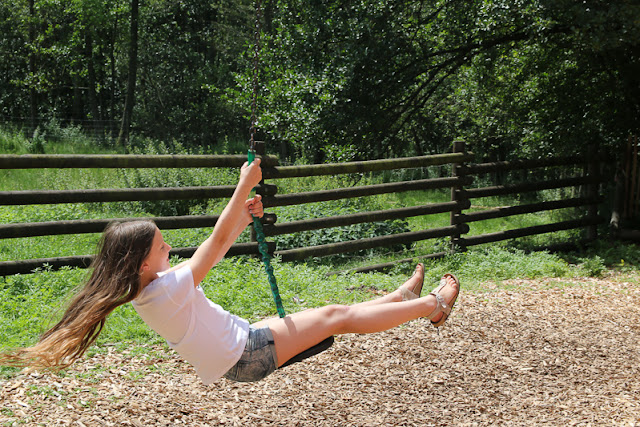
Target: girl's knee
<point>337,315</point>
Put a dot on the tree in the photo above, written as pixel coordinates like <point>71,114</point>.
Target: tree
<point>375,74</point>
<point>129,102</point>
<point>192,49</point>
<point>553,93</point>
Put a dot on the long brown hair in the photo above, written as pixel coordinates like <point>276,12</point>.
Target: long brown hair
<point>114,280</point>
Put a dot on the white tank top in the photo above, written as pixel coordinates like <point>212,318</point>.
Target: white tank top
<point>202,332</point>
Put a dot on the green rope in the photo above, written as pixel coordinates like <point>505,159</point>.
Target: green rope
<point>264,251</point>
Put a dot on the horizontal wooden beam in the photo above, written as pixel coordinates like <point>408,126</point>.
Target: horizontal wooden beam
<point>28,266</point>
<point>481,168</point>
<point>366,190</point>
<point>529,208</point>
<point>64,161</point>
<point>8,198</point>
<point>235,250</point>
<point>374,242</point>
<point>531,231</point>
<point>366,166</point>
<point>359,218</point>
<point>54,228</point>
<point>502,190</point>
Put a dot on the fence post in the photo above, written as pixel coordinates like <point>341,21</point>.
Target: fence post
<point>593,171</point>
<point>458,195</point>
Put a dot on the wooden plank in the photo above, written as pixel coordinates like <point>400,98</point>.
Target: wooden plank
<point>55,228</point>
<point>503,212</point>
<point>28,266</point>
<point>362,244</point>
<point>482,168</point>
<point>531,231</point>
<point>65,161</point>
<point>12,198</point>
<point>352,192</point>
<point>359,218</point>
<point>8,268</point>
<point>502,190</point>
<point>366,166</point>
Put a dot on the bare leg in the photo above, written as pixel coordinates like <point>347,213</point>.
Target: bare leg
<point>396,296</point>
<point>300,331</point>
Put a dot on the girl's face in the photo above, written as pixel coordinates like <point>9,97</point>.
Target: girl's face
<point>158,259</point>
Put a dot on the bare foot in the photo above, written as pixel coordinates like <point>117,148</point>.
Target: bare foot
<point>449,293</point>
<point>411,288</point>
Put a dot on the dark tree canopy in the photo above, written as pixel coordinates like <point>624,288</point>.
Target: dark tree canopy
<point>338,80</point>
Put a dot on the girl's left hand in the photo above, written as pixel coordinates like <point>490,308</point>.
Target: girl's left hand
<point>254,205</point>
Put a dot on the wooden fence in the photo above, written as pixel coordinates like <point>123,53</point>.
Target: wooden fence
<point>463,173</point>
<point>631,179</point>
<point>625,214</point>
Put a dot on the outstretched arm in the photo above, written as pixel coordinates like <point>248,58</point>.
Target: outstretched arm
<point>234,218</point>
<point>253,207</point>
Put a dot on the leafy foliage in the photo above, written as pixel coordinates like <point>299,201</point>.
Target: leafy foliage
<point>150,178</point>
<point>337,234</point>
<point>525,77</point>
<point>337,81</point>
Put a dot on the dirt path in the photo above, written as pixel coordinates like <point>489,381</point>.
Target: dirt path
<point>541,354</point>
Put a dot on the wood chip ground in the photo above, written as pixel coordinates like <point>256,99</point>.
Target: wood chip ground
<point>541,353</point>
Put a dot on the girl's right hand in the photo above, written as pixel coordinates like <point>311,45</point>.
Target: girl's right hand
<point>251,174</point>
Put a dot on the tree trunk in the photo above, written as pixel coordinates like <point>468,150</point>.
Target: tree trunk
<point>123,138</point>
<point>92,95</point>
<point>113,83</point>
<point>33,97</point>
<point>77,114</point>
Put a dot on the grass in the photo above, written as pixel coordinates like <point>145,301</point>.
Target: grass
<point>28,303</point>
<point>239,285</point>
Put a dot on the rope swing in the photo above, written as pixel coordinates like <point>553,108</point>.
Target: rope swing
<point>251,155</point>
<point>257,225</point>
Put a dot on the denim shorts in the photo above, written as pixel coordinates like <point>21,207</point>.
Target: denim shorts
<point>258,359</point>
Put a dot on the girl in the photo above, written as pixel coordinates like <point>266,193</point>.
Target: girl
<point>132,265</point>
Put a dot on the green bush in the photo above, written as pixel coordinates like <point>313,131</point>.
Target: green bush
<point>12,141</point>
<point>338,234</point>
<point>170,177</point>
<point>594,266</point>
<point>604,254</point>
<point>496,263</point>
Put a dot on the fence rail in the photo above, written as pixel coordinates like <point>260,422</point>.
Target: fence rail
<point>504,212</point>
<point>462,176</point>
<point>521,164</point>
<point>373,242</point>
<point>502,190</point>
<point>365,190</point>
<point>124,161</point>
<point>359,218</point>
<point>8,268</point>
<point>366,166</point>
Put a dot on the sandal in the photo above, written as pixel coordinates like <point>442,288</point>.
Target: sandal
<point>442,306</point>
<point>409,295</point>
